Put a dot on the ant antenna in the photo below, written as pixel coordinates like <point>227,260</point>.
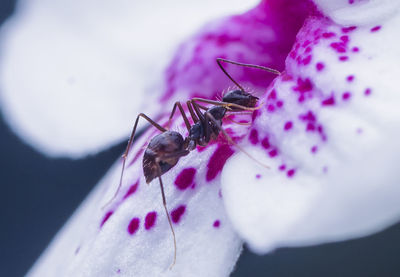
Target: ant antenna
<point>219,60</point>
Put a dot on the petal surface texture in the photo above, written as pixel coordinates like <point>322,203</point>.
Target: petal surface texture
<point>75,73</point>
<point>329,131</point>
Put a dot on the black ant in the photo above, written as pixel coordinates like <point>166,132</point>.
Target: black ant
<point>164,150</point>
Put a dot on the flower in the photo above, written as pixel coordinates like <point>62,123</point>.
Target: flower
<point>326,127</point>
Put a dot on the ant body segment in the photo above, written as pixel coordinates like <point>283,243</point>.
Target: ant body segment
<point>164,150</point>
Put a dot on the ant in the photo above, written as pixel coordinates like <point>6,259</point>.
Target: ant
<point>164,150</point>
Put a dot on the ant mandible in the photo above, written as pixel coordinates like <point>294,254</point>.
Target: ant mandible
<point>164,150</point>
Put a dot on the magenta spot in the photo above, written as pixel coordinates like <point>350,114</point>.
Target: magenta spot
<point>351,2</point>
<point>282,167</point>
<point>133,225</point>
<point>345,39</point>
<point>217,161</point>
<point>279,103</point>
<point>177,213</point>
<point>308,50</point>
<point>265,143</point>
<point>339,47</point>
<point>291,173</point>
<point>185,178</point>
<point>258,176</point>
<point>303,85</point>
<point>328,35</point>
<point>314,149</point>
<point>376,28</point>
<point>367,91</point>
<point>253,137</point>
<point>319,66</point>
<point>309,116</point>
<point>272,94</point>
<point>307,60</point>
<point>329,101</point>
<point>355,49</point>
<point>346,95</point>
<point>343,58</point>
<point>216,224</point>
<point>270,108</point>
<point>106,217</point>
<point>132,189</point>
<point>310,127</point>
<point>348,29</point>
<point>288,125</point>
<point>273,153</point>
<point>150,220</point>
<point>350,78</point>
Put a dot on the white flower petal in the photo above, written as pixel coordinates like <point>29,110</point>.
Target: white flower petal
<point>333,173</point>
<point>75,73</point>
<point>98,242</point>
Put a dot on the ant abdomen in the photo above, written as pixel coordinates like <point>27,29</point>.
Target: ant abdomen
<point>162,153</point>
<point>240,97</point>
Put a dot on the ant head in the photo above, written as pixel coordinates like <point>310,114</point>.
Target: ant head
<point>240,97</point>
<point>162,153</point>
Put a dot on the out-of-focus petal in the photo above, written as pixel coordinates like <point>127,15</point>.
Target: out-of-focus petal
<point>329,131</point>
<point>74,73</point>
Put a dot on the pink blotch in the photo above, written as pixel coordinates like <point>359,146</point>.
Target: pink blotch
<point>253,137</point>
<point>314,149</point>
<point>348,29</point>
<point>350,78</point>
<point>376,28</point>
<point>291,173</point>
<point>339,47</point>
<point>367,91</point>
<point>355,49</point>
<point>150,220</point>
<point>351,2</point>
<point>307,60</point>
<point>217,161</point>
<point>106,217</point>
<point>258,176</point>
<point>216,224</point>
<point>303,85</point>
<point>265,143</point>
<point>279,103</point>
<point>346,95</point>
<point>273,153</point>
<point>328,35</point>
<point>270,108</point>
<point>329,101</point>
<point>343,58</point>
<point>282,167</point>
<point>345,38</point>
<point>272,94</point>
<point>185,178</point>
<point>288,125</point>
<point>177,213</point>
<point>133,225</point>
<point>320,66</point>
<point>132,189</point>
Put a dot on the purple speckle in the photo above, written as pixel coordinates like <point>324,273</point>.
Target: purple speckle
<point>216,224</point>
<point>132,189</point>
<point>376,28</point>
<point>150,220</point>
<point>346,95</point>
<point>106,217</point>
<point>314,149</point>
<point>320,66</point>
<point>133,225</point>
<point>329,101</point>
<point>339,47</point>
<point>270,108</point>
<point>303,85</point>
<point>350,78</point>
<point>253,137</point>
<point>217,161</point>
<point>307,60</point>
<point>279,103</point>
<point>258,176</point>
<point>355,49</point>
<point>177,213</point>
<point>328,35</point>
<point>349,29</point>
<point>273,153</point>
<point>288,125</point>
<point>265,143</point>
<point>185,178</point>
<point>343,58</point>
<point>282,167</point>
<point>367,91</point>
<point>291,173</point>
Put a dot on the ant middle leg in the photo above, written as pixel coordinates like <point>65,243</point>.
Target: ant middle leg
<point>225,104</point>
<point>125,155</point>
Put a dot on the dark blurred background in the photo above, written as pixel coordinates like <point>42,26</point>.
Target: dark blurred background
<point>39,194</point>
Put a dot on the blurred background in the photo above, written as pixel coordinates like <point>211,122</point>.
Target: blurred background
<point>39,194</point>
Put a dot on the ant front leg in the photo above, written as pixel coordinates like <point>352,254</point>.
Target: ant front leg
<point>125,155</point>
<point>225,104</point>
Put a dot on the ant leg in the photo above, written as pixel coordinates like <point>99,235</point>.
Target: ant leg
<point>209,117</point>
<point>219,60</point>
<point>167,213</point>
<point>124,156</point>
<point>225,104</point>
<point>192,114</point>
<point>179,105</point>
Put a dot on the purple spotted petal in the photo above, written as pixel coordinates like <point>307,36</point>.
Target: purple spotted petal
<point>74,74</point>
<point>331,121</point>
